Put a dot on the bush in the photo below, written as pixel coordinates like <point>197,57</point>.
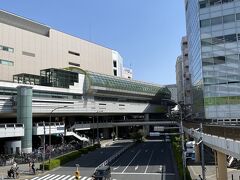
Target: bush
<point>53,164</point>
<point>177,150</point>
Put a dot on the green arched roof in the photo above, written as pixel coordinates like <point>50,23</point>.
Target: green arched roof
<point>121,84</point>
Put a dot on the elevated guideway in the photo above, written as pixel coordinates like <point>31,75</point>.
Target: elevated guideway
<point>11,130</point>
<point>226,146</point>
<point>131,122</point>
<point>56,128</point>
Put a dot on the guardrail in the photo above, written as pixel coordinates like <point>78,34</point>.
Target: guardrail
<point>114,156</point>
<point>11,130</point>
<point>11,125</point>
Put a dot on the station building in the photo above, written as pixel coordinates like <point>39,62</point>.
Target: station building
<point>53,83</point>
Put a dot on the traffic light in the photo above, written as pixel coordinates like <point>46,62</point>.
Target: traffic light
<point>77,174</point>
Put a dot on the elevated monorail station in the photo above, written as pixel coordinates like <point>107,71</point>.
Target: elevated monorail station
<point>73,102</point>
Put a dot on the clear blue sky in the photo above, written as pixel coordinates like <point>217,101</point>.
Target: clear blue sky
<point>147,33</point>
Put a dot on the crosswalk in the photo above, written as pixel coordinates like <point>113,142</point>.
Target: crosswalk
<point>60,177</point>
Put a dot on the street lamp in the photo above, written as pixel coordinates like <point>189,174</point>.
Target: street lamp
<point>182,133</point>
<point>50,117</point>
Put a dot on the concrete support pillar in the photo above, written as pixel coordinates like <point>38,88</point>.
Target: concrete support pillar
<point>24,115</point>
<point>116,132</point>
<point>197,152</point>
<point>146,127</point>
<point>106,134</point>
<point>221,166</point>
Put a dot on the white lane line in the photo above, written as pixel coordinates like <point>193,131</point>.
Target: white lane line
<point>66,177</point>
<point>34,178</point>
<point>49,177</point>
<point>84,178</point>
<point>44,177</point>
<point>149,162</point>
<point>54,177</point>
<point>131,173</point>
<point>72,178</point>
<point>116,168</point>
<point>136,167</point>
<point>90,178</point>
<point>131,161</point>
<point>60,177</point>
<point>161,169</point>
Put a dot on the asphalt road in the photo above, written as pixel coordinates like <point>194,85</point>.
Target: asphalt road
<point>150,160</point>
<point>145,161</point>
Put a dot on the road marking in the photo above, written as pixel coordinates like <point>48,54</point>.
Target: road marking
<point>132,173</point>
<point>35,178</point>
<point>60,177</point>
<point>72,178</point>
<point>116,168</point>
<point>131,161</point>
<point>161,169</point>
<point>44,177</point>
<point>136,167</point>
<point>54,177</point>
<point>49,176</point>
<point>148,162</point>
<point>66,177</point>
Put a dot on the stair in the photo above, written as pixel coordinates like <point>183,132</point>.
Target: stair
<point>81,138</point>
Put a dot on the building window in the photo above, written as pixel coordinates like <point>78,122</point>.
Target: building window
<point>207,3</point>
<point>28,54</point>
<point>115,64</point>
<point>115,72</point>
<point>230,38</point>
<point>205,23</point>
<point>5,48</point>
<point>202,4</point>
<point>74,64</point>
<point>216,21</point>
<point>6,62</point>
<point>238,16</point>
<point>229,18</point>
<point>74,53</point>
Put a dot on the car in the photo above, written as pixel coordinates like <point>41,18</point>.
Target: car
<point>102,173</point>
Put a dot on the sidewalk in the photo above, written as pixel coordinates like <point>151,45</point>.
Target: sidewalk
<point>24,168</point>
<point>195,170</point>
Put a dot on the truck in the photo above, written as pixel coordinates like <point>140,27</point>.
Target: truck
<point>190,150</point>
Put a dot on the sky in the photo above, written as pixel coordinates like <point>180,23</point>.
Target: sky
<point>147,33</point>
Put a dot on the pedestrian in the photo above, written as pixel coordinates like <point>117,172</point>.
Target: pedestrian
<point>33,168</point>
<point>30,166</point>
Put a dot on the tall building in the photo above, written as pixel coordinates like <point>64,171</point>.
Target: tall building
<point>28,46</point>
<point>173,89</point>
<point>213,41</point>
<point>179,79</point>
<point>187,90</point>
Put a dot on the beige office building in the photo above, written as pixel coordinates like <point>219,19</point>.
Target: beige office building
<point>28,47</point>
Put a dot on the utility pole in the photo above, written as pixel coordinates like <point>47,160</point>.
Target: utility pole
<point>98,140</point>
<point>183,148</point>
<point>202,152</point>
<point>44,143</point>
